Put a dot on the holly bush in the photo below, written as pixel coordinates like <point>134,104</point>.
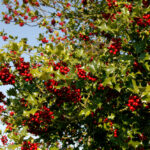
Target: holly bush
<point>87,82</point>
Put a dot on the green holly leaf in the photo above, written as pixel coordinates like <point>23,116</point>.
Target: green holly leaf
<point>135,144</point>
<point>135,87</point>
<point>117,87</point>
<point>107,82</point>
<point>35,72</point>
<point>31,99</point>
<point>59,49</point>
<point>54,148</point>
<point>85,112</point>
<point>146,94</point>
<point>14,146</point>
<point>11,92</point>
<point>27,113</point>
<point>112,116</point>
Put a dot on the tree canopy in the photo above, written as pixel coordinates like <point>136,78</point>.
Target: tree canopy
<point>87,82</point>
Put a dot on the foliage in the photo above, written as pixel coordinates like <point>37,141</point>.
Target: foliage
<point>87,84</point>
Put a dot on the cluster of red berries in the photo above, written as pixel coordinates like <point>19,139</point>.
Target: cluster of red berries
<point>62,67</point>
<point>138,67</point>
<point>106,120</point>
<point>23,68</point>
<point>82,74</point>
<point>78,66</point>
<point>4,139</point>
<point>62,23</point>
<point>64,70</point>
<point>23,102</point>
<point>146,18</point>
<point>36,65</point>
<point>25,1</point>
<point>9,126</point>
<point>100,86</point>
<point>129,7</point>
<point>84,37</point>
<point>33,18</point>
<point>25,17</point>
<point>2,109</point>
<point>147,106</point>
<point>111,93</point>
<point>115,133</point>
<point>21,14</point>
<point>146,3</point>
<point>44,40</point>
<point>13,52</point>
<point>91,77</point>
<point>134,103</point>
<point>5,76</point>
<point>36,3</point>
<point>67,94</point>
<point>142,137</point>
<point>50,84</point>
<point>4,38</point>
<point>107,16</point>
<point>27,145</point>
<point>38,123</point>
<point>112,3</point>
<point>64,94</point>
<point>143,22</point>
<point>68,5</point>
<point>115,47</point>
<point>95,117</point>
<point>7,19</point>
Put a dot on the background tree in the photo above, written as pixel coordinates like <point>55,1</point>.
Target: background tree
<point>87,83</point>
